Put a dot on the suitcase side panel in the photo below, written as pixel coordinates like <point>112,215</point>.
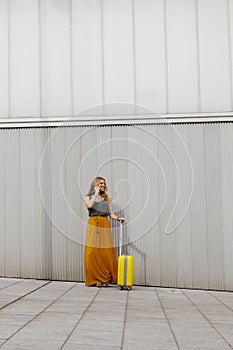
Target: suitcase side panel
<point>130,271</point>
<point>120,278</point>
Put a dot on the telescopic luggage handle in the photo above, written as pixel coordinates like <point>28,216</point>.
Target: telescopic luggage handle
<point>121,239</point>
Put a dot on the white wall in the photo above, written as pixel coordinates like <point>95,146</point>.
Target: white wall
<point>61,57</point>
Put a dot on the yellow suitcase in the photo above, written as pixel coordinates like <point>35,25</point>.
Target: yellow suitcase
<point>125,268</point>
<point>125,272</point>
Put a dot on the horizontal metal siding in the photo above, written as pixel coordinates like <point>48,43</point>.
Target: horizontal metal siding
<point>173,184</point>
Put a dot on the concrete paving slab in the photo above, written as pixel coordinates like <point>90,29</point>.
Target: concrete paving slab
<point>22,287</point>
<point>132,344</point>
<point>92,337</point>
<point>107,316</point>
<point>38,330</point>
<point>15,320</point>
<point>154,335</point>
<point>29,344</point>
<point>61,317</point>
<point>74,346</point>
<point>25,307</point>
<point>68,315</point>
<point>113,326</point>
<point>226,330</point>
<point>67,307</point>
<point>225,298</point>
<point>5,282</point>
<point>8,330</point>
<point>50,291</point>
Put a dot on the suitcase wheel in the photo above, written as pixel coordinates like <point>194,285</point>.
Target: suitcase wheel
<point>126,288</point>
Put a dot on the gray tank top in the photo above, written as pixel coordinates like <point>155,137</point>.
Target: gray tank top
<point>99,209</point>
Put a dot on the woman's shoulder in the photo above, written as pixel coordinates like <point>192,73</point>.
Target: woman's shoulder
<point>109,199</point>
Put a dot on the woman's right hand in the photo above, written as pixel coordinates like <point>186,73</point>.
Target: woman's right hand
<point>97,189</point>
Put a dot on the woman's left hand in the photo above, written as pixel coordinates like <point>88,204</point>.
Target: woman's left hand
<point>121,219</point>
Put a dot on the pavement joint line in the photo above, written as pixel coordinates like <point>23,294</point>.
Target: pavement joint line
<point>80,319</point>
<point>206,318</point>
<point>227,306</point>
<point>167,319</point>
<point>35,316</point>
<point>25,295</point>
<point>12,284</point>
<point>124,323</point>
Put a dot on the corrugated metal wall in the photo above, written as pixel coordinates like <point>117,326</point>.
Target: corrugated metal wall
<point>62,57</point>
<point>172,182</point>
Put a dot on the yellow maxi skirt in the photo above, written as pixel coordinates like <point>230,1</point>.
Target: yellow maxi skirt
<point>100,262</point>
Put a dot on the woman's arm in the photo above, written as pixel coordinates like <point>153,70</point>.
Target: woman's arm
<point>112,215</point>
<point>90,200</point>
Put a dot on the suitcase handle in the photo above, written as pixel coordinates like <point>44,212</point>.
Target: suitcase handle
<point>121,239</point>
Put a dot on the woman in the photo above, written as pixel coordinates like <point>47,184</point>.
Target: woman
<point>100,264</point>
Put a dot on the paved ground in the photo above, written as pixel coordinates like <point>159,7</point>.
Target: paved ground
<point>65,315</point>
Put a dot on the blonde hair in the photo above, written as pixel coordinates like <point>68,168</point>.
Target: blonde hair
<point>95,182</point>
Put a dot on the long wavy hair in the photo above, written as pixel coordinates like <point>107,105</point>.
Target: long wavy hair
<point>95,182</point>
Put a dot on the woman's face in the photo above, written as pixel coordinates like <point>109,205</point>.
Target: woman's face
<point>102,185</point>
